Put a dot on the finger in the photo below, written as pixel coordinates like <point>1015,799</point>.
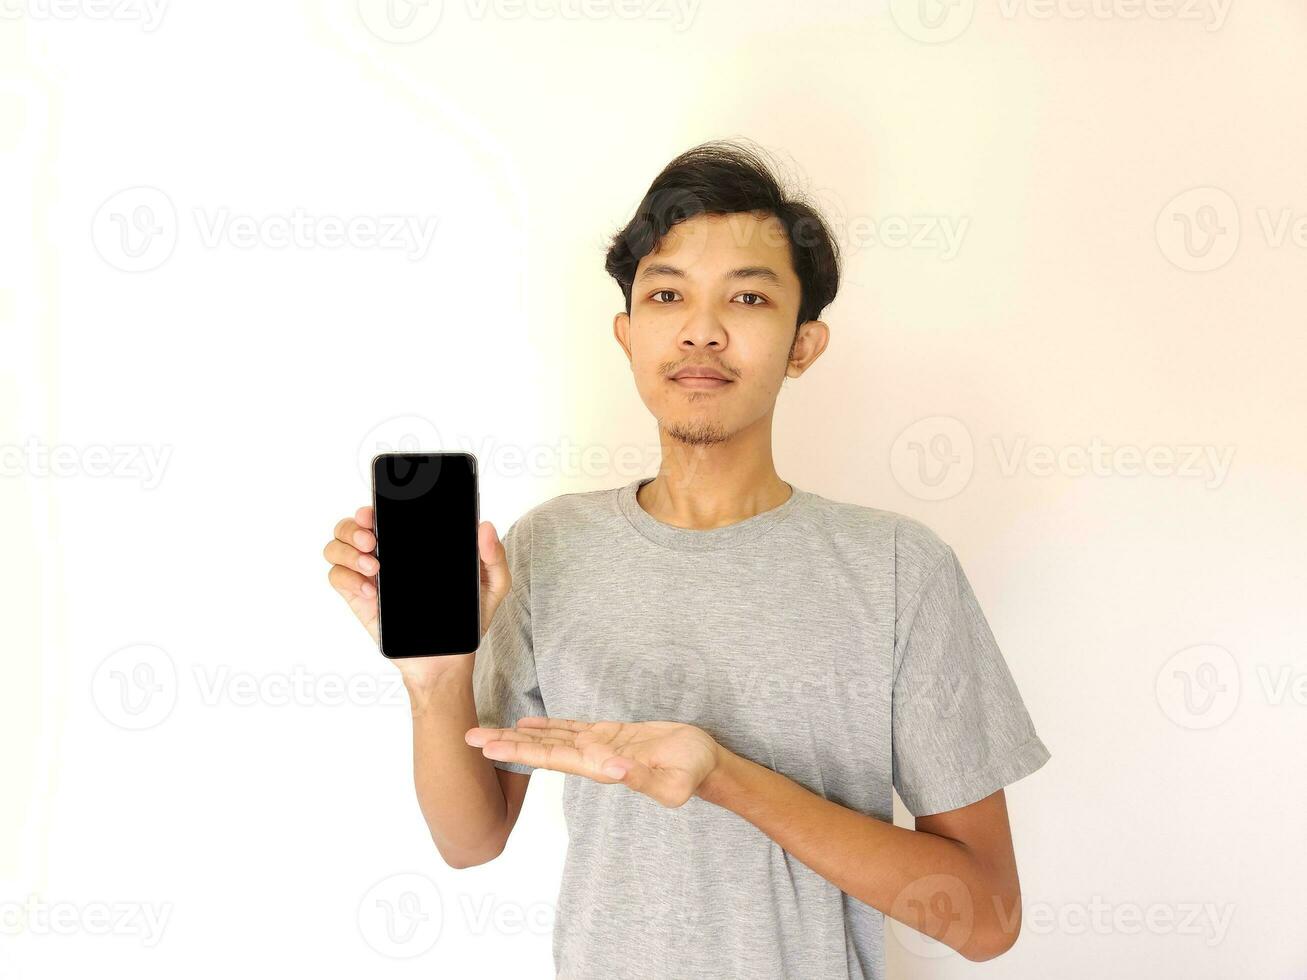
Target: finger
<point>347,582</point>
<point>480,736</point>
<point>571,737</point>
<point>364,518</point>
<point>352,534</point>
<point>541,721</point>
<point>339,553</point>
<point>559,758</point>
<point>483,736</point>
<point>540,739</point>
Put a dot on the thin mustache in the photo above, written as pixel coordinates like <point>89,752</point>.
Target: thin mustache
<point>715,367</point>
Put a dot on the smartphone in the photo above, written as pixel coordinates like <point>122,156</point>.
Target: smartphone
<point>426,508</point>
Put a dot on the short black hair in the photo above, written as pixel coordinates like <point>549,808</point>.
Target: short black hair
<point>727,177</point>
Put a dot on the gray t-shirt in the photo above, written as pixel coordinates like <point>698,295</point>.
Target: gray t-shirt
<point>837,644</point>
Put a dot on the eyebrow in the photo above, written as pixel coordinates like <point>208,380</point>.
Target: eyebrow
<point>745,272</point>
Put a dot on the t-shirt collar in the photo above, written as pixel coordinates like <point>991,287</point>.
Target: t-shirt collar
<point>691,539</point>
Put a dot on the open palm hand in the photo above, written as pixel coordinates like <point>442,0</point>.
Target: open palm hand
<point>665,760</point>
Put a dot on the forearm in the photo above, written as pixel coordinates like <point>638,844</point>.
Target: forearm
<point>933,884</point>
<point>457,787</point>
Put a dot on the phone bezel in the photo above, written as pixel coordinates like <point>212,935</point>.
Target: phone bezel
<point>476,489</point>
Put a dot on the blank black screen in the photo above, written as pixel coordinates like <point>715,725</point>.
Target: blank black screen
<point>429,581</point>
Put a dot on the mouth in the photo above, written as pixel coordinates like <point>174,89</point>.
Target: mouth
<point>698,381</point>
<point>700,377</point>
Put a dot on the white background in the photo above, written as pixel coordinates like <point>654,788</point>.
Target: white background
<point>1122,184</point>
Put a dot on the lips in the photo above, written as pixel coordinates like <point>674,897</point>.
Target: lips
<point>698,381</point>
<point>699,373</point>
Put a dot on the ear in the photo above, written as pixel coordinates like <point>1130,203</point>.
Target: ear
<point>622,331</point>
<point>809,342</point>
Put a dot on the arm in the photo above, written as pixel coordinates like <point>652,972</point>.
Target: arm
<point>469,804</point>
<point>954,878</point>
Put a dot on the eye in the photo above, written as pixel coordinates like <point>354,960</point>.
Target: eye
<point>758,296</point>
<point>660,292</point>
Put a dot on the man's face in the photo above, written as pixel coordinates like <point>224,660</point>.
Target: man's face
<point>721,293</point>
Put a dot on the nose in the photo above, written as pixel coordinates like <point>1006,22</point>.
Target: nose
<point>702,328</point>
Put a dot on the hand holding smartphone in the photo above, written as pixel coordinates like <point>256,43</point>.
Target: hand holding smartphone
<point>435,614</point>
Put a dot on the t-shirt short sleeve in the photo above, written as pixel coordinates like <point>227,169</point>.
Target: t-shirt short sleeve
<point>960,728</point>
<point>504,681</point>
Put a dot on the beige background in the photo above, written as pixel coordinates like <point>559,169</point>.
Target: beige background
<point>1070,339</point>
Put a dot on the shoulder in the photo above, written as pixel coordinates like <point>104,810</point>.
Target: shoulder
<point>915,549</point>
<point>569,510</point>
<point>557,521</point>
<point>545,537</point>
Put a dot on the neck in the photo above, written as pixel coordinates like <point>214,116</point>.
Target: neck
<point>702,487</point>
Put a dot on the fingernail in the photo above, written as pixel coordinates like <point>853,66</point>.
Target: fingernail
<point>369,589</point>
<point>367,564</point>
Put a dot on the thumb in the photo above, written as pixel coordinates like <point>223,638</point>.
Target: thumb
<point>496,579</point>
<point>629,772</point>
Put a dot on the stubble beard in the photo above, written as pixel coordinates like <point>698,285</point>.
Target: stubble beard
<point>698,432</point>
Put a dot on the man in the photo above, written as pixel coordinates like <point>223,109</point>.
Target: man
<point>733,671</point>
